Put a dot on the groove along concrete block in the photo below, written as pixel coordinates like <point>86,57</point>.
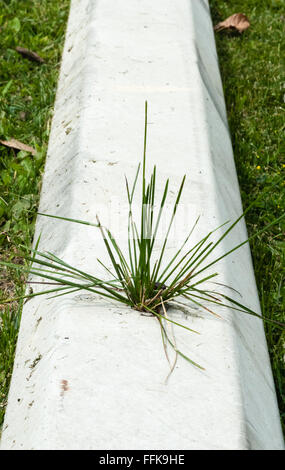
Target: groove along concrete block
<point>90,374</point>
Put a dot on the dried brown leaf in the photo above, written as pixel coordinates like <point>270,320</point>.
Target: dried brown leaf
<point>237,22</point>
<point>17,145</point>
<point>27,54</point>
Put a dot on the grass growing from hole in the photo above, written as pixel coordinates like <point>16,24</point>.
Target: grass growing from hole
<point>27,92</point>
<point>137,279</point>
<point>253,78</point>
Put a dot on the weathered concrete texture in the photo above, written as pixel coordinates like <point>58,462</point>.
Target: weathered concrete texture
<point>90,374</point>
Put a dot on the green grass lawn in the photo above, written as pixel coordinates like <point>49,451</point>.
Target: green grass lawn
<point>27,92</point>
<point>253,79</point>
<point>253,84</point>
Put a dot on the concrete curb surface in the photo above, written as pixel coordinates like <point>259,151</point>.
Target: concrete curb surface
<point>90,374</point>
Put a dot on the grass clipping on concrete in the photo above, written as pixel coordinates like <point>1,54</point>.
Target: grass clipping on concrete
<point>138,279</point>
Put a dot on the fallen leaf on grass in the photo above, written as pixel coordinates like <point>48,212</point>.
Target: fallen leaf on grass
<point>237,22</point>
<point>27,54</point>
<point>17,145</point>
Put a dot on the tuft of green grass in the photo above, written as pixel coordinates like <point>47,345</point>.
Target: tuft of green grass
<point>252,72</point>
<point>27,92</point>
<point>137,279</point>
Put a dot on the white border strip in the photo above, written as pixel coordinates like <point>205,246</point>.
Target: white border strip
<point>89,374</point>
